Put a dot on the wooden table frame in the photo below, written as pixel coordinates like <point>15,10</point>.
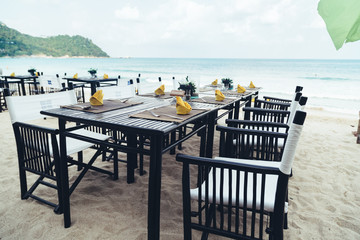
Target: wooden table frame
<point>21,80</point>
<point>118,120</point>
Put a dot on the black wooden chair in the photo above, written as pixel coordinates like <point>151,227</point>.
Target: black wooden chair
<point>238,198</point>
<point>38,146</point>
<point>282,100</point>
<point>270,119</point>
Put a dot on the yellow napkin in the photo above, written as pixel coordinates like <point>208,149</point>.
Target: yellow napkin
<point>106,76</point>
<point>182,107</point>
<point>12,74</point>
<point>75,76</point>
<point>219,96</point>
<point>160,90</point>
<point>251,85</point>
<point>214,82</point>
<point>97,98</point>
<point>240,89</point>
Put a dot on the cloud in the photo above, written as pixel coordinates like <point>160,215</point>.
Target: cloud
<point>127,13</point>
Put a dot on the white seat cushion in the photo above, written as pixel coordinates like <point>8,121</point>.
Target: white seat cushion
<point>270,187</point>
<point>74,145</point>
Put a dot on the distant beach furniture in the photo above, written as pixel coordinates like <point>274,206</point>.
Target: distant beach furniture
<point>93,83</point>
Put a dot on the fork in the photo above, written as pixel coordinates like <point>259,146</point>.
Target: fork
<point>154,114</point>
<point>157,115</point>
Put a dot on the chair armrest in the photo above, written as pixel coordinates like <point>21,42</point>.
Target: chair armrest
<point>277,99</point>
<point>271,104</point>
<point>36,127</point>
<point>251,162</point>
<point>263,110</point>
<point>251,132</point>
<point>228,163</point>
<point>236,123</point>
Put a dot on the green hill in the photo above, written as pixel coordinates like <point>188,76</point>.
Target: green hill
<point>13,43</point>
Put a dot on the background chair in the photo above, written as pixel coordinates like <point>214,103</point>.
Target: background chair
<point>49,84</point>
<point>237,198</point>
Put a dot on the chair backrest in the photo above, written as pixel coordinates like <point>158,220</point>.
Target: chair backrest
<point>253,144</point>
<point>52,82</point>
<point>27,108</point>
<point>124,90</point>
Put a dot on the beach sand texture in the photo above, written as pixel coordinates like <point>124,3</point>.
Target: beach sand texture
<point>324,192</point>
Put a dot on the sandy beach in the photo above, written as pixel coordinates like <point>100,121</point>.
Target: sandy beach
<point>324,191</point>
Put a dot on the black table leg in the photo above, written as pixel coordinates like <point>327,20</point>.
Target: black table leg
<point>237,109</point>
<point>131,158</point>
<point>64,205</point>
<point>154,187</point>
<point>210,134</point>
<point>93,87</point>
<point>35,86</point>
<point>23,87</point>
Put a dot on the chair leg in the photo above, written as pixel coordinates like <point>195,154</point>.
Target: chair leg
<point>116,165</point>
<point>209,219</point>
<point>23,183</point>
<point>80,160</point>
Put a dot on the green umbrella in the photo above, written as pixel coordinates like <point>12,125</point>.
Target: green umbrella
<point>342,18</point>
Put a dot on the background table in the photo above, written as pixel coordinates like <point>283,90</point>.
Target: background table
<point>94,82</point>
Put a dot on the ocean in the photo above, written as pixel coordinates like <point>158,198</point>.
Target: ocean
<point>332,85</point>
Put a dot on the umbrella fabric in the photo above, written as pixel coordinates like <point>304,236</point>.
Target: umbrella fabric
<point>342,18</point>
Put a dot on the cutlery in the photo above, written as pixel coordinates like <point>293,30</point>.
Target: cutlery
<point>83,107</point>
<point>154,114</point>
<point>171,116</point>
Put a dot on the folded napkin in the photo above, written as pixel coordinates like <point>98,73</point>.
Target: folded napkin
<point>219,96</point>
<point>97,98</point>
<point>240,89</point>
<point>160,90</point>
<point>251,85</point>
<point>75,76</point>
<point>182,107</point>
<point>106,76</point>
<point>12,74</point>
<point>214,82</point>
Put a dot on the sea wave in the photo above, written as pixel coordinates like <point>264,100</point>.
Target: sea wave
<point>327,78</point>
<point>315,96</point>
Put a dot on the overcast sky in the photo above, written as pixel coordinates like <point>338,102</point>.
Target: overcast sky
<point>184,28</point>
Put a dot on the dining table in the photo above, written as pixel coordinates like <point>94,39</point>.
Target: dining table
<point>21,79</point>
<point>138,121</point>
<point>94,82</point>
